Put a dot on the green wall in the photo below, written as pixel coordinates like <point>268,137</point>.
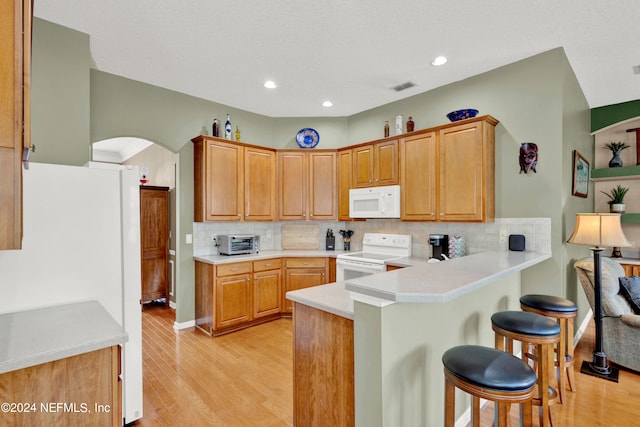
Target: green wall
<point>601,117</point>
<point>536,100</point>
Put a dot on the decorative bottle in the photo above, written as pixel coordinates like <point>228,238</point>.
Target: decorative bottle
<point>410,124</point>
<point>216,129</point>
<point>237,133</point>
<point>398,124</point>
<point>227,128</point>
<point>386,128</point>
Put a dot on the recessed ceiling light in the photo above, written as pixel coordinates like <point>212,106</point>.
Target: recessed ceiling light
<point>439,60</point>
<point>270,84</point>
<point>327,104</point>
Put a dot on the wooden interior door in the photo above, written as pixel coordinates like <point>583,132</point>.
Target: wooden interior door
<point>154,242</point>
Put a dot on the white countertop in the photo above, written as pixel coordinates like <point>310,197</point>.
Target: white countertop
<point>226,259</point>
<point>33,337</point>
<point>420,282</point>
<point>444,281</point>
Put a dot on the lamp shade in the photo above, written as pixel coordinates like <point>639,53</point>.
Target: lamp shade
<point>598,229</point>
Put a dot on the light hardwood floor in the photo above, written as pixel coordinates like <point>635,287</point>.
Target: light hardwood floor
<point>245,379</point>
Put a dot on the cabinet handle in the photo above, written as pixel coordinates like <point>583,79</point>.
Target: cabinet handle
<point>234,269</point>
<point>441,213</point>
<point>267,265</point>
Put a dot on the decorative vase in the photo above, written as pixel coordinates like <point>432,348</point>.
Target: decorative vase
<point>617,208</point>
<point>615,161</point>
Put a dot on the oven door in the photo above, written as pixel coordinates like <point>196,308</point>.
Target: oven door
<point>347,270</point>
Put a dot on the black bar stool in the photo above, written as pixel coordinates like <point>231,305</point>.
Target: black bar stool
<point>541,333</point>
<point>563,311</point>
<point>489,374</point>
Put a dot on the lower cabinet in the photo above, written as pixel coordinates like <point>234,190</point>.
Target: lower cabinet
<point>237,295</point>
<point>300,273</point>
<point>81,390</point>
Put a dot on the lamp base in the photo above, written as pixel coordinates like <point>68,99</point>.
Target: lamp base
<point>607,373</point>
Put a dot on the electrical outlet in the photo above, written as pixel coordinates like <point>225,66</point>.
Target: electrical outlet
<point>188,239</point>
<point>269,235</point>
<point>503,235</point>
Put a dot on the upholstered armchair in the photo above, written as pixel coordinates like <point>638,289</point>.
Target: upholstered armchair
<point>620,326</point>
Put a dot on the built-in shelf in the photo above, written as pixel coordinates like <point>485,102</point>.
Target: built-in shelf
<point>630,218</point>
<point>616,174</point>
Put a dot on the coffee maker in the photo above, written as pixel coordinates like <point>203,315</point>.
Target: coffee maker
<point>439,246</point>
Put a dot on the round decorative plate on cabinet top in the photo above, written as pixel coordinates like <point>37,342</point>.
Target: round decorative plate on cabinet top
<point>307,138</point>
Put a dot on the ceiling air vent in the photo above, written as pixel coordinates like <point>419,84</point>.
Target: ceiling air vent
<point>404,86</point>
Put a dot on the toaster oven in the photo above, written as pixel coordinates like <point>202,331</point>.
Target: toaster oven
<point>237,244</point>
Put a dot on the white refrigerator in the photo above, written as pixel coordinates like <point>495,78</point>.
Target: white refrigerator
<point>81,241</point>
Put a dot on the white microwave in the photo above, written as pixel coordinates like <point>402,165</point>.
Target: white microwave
<point>375,202</point>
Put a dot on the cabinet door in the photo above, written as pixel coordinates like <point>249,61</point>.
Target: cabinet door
<point>363,166</point>
<point>233,300</point>
<point>323,186</point>
<point>292,184</point>
<point>224,186</point>
<point>260,184</point>
<point>266,293</point>
<point>300,278</point>
<point>385,163</point>
<point>344,183</point>
<point>466,173</point>
<point>154,242</point>
<point>418,177</point>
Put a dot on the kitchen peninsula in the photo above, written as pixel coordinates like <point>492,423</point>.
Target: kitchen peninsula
<point>389,331</point>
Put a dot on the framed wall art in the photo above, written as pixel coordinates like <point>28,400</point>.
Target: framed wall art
<point>581,175</point>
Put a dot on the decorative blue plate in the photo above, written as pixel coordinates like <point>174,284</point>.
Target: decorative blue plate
<point>454,116</point>
<point>307,138</point>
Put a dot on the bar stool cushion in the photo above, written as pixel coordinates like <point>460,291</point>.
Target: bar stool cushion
<point>549,303</point>
<point>489,368</point>
<point>527,323</point>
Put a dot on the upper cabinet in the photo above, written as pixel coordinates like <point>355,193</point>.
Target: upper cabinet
<point>418,177</point>
<point>466,171</point>
<point>233,181</point>
<point>375,164</point>
<point>307,184</point>
<point>447,173</point>
<point>15,125</point>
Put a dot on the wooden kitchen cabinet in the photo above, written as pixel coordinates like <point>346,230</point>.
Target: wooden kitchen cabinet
<point>154,242</point>
<point>344,182</point>
<point>375,164</point>
<point>466,171</point>
<point>300,273</point>
<point>418,177</point>
<point>88,383</point>
<point>233,181</point>
<point>267,287</point>
<point>307,184</point>
<point>234,296</point>
<point>15,123</point>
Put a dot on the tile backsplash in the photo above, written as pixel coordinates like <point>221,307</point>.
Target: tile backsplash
<point>479,237</point>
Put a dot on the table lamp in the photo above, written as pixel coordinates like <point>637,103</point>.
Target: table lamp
<point>599,230</point>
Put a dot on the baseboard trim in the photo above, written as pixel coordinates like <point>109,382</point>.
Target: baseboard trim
<point>184,325</point>
<point>583,327</point>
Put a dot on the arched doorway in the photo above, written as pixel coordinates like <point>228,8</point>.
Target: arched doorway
<point>158,165</point>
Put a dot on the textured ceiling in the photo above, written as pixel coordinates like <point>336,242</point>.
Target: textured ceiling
<point>352,52</point>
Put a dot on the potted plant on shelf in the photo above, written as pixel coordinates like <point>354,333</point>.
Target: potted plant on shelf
<point>616,199</point>
<point>616,148</point>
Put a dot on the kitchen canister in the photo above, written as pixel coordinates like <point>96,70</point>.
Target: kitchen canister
<point>457,246</point>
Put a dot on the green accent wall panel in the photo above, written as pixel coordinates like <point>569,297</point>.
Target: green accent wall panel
<point>601,117</point>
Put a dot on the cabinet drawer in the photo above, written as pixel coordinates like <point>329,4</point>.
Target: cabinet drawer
<point>231,269</point>
<point>267,264</point>
<point>305,262</point>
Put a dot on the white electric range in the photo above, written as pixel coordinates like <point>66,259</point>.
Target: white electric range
<point>377,248</point>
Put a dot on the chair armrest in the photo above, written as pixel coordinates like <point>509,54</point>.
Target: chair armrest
<point>631,320</point>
